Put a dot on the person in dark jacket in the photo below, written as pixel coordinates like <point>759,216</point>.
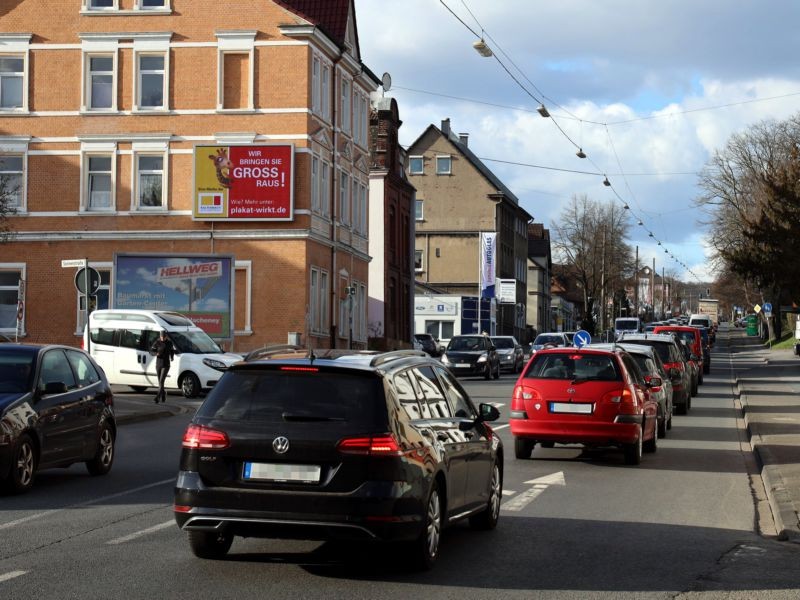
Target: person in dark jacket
<point>164,352</point>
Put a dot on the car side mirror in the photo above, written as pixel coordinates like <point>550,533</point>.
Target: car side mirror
<point>655,382</point>
<point>488,412</point>
<point>54,387</point>
<point>674,373</point>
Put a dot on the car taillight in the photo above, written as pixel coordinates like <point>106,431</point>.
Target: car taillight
<point>521,394</point>
<point>375,445</point>
<point>206,438</point>
<point>619,396</point>
<point>677,365</point>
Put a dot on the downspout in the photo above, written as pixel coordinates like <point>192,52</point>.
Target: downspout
<point>333,304</point>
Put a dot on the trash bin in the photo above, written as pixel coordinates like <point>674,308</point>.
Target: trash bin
<point>752,325</point>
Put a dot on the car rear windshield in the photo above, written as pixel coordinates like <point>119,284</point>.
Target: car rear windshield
<point>548,339</point>
<point>504,343</point>
<point>352,401</point>
<point>595,367</point>
<point>466,344</point>
<point>661,347</point>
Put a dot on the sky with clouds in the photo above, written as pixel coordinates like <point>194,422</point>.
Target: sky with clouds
<point>649,90</point>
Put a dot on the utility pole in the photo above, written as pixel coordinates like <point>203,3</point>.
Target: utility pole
<point>653,289</point>
<point>603,284</point>
<point>636,285</point>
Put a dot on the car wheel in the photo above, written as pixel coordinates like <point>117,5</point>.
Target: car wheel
<point>487,518</point>
<point>487,372</point>
<point>700,380</point>
<point>694,389</point>
<point>523,447</point>
<point>210,544</point>
<point>633,452</point>
<point>497,372</point>
<point>662,425</point>
<point>190,385</point>
<point>651,445</point>
<point>688,403</point>
<point>101,463</point>
<point>139,389</point>
<point>23,466</point>
<point>706,369</point>
<point>669,421</point>
<point>426,547</point>
<point>547,444</point>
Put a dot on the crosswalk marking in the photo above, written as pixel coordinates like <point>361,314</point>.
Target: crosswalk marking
<point>11,575</point>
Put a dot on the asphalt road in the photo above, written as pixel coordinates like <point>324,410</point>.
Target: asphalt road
<point>689,521</point>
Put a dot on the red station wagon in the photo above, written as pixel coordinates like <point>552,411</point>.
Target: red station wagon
<point>583,396</point>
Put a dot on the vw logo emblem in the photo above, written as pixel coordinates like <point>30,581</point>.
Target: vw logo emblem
<point>280,445</point>
<point>570,390</point>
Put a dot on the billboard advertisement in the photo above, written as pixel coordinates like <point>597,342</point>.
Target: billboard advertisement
<point>198,286</point>
<point>243,183</point>
<point>488,249</point>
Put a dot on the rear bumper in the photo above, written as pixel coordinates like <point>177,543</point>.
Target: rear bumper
<point>377,510</point>
<point>570,431</point>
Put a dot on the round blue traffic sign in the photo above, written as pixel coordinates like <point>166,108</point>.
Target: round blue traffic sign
<point>582,338</point>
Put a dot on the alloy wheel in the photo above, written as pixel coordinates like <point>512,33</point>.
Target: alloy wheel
<point>24,464</point>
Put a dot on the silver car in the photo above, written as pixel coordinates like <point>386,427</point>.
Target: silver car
<point>510,353</point>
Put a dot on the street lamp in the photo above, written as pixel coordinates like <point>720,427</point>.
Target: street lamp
<point>481,48</point>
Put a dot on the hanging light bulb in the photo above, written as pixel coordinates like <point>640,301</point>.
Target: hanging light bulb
<point>481,48</point>
<point>580,153</point>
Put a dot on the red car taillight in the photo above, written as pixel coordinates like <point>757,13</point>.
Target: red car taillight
<point>521,394</point>
<point>648,379</point>
<point>622,396</point>
<point>375,445</point>
<point>676,365</point>
<point>206,438</point>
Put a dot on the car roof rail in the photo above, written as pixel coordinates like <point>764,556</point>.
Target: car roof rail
<point>271,350</point>
<point>394,355</point>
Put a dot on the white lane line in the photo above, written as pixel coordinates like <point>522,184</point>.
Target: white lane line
<point>11,575</point>
<point>136,534</point>
<point>11,524</point>
<point>508,492</point>
<point>525,498</point>
<point>496,427</point>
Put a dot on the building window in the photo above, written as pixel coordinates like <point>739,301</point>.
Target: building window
<point>418,260</point>
<point>315,184</point>
<point>151,81</point>
<point>318,296</point>
<point>12,180</point>
<point>360,313</point>
<point>362,200</point>
<point>101,4</point>
<point>99,182</point>
<point>443,165</point>
<point>415,165</point>
<point>326,92</point>
<point>10,277</point>
<point>315,84</point>
<point>101,82</point>
<point>345,107</point>
<point>344,199</point>
<point>149,181</point>
<point>325,190</point>
<point>419,210</point>
<point>12,79</point>
<point>151,4</point>
<point>360,119</point>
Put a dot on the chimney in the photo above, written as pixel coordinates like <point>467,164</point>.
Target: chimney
<point>464,138</point>
<point>446,127</point>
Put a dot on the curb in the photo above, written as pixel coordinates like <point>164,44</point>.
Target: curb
<point>141,417</point>
<point>778,497</point>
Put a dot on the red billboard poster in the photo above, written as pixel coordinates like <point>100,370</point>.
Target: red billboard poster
<point>244,183</point>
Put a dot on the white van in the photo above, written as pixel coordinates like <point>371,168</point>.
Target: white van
<point>627,325</point>
<point>121,341</point>
<point>699,319</point>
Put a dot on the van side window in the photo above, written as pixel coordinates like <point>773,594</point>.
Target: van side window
<point>150,336</point>
<point>103,336</point>
<point>131,339</point>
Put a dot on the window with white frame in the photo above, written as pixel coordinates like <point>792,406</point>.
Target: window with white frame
<point>356,207</point>
<point>360,313</point>
<point>12,180</point>
<point>318,305</point>
<point>419,210</point>
<point>418,260</point>
<point>98,181</point>
<point>10,277</point>
<point>344,308</point>
<point>326,92</point>
<point>101,4</point>
<point>316,66</point>
<point>344,199</point>
<point>315,205</point>
<point>360,125</point>
<point>325,190</point>
<point>151,4</point>
<point>345,107</point>
<point>151,81</point>
<point>149,181</point>
<point>100,88</point>
<point>12,82</point>
<point>415,165</point>
<point>362,200</point>
<point>443,165</point>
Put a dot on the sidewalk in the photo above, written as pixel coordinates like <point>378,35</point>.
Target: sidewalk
<point>769,386</point>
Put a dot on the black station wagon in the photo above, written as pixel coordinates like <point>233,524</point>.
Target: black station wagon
<point>337,445</point>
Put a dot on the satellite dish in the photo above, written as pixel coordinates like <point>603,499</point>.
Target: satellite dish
<point>386,82</point>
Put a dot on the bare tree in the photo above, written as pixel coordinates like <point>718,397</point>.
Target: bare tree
<point>8,195</point>
<point>590,240</point>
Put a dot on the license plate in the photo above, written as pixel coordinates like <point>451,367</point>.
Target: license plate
<point>581,408</point>
<point>281,472</point>
<point>463,365</point>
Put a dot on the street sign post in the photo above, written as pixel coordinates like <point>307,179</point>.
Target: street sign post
<point>582,338</point>
<point>767,309</point>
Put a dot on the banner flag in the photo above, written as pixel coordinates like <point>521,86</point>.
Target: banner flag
<point>488,251</point>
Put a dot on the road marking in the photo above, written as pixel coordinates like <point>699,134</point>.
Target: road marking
<point>46,513</point>
<point>508,492</point>
<point>11,575</point>
<point>539,486</point>
<point>497,404</point>
<point>496,427</point>
<point>136,534</point>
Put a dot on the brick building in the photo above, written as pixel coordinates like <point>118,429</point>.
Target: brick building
<point>106,107</point>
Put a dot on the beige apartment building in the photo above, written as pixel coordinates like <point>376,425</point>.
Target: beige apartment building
<point>458,199</point>
<point>182,128</point>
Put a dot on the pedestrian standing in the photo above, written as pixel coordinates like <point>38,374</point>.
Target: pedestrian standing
<point>164,352</point>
